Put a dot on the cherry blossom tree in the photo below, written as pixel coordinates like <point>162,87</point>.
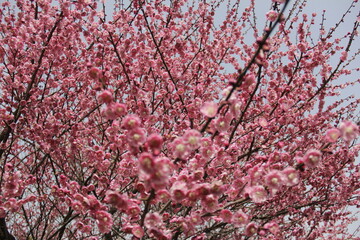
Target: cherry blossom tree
<point>162,120</point>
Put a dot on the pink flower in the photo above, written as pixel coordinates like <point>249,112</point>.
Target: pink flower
<point>105,221</point>
<point>210,203</point>
<point>94,73</point>
<point>163,195</point>
<point>91,203</point>
<point>192,139</point>
<point>207,148</point>
<point>133,210</point>
<point>209,109</point>
<point>274,179</point>
<point>179,148</point>
<point>119,109</point>
<point>349,131</point>
<point>195,218</point>
<point>235,108</point>
<point>216,188</point>
<point>160,234</point>
<point>155,142</point>
<point>285,103</point>
<point>222,124</point>
<point>116,199</point>
<point>312,158</point>
<point>271,15</point>
<point>332,135</point>
<point>162,170</point>
<point>344,55</point>
<point>240,219</point>
<point>114,110</point>
<point>131,122</point>
<point>136,137</point>
<point>263,122</point>
<point>249,80</point>
<point>137,231</point>
<point>147,163</point>
<point>255,173</point>
<point>153,221</point>
<point>178,191</point>
<point>257,193</point>
<point>193,194</point>
<point>291,176</point>
<point>251,229</point>
<point>272,227</point>
<point>226,215</point>
<point>105,97</point>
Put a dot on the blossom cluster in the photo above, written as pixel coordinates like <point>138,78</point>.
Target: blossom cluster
<point>162,120</point>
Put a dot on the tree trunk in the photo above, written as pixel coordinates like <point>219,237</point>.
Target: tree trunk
<point>4,233</point>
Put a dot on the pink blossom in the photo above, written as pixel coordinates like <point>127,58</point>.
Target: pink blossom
<point>302,47</point>
<point>226,215</point>
<point>195,218</point>
<point>257,193</point>
<point>192,139</point>
<point>222,124</point>
<point>251,229</point>
<point>105,221</point>
<point>105,97</point>
<point>216,188</point>
<point>153,221</point>
<point>240,219</point>
<point>146,162</point>
<point>207,148</point>
<point>255,173</point>
<point>209,109</point>
<point>81,92</point>
<point>162,170</point>
<point>12,205</point>
<point>91,202</point>
<point>136,137</point>
<point>137,231</point>
<point>178,191</point>
<point>116,199</point>
<point>291,176</point>
<point>133,210</point>
<point>13,184</point>
<point>94,73</point>
<point>332,135</point>
<point>155,142</point>
<point>271,15</point>
<point>210,203</point>
<point>274,179</point>
<point>349,131</point>
<point>131,122</point>
<point>312,158</point>
<point>119,109</point>
<point>272,227</point>
<point>344,55</point>
<point>263,122</point>
<point>161,234</point>
<point>285,103</point>
<point>193,194</point>
<point>163,195</point>
<point>249,80</point>
<point>179,148</point>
